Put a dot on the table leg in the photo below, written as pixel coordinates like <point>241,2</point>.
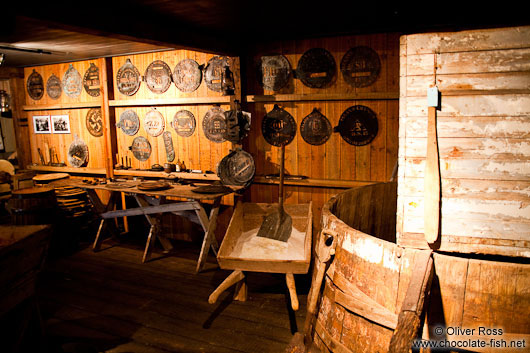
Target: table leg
<point>208,225</point>
<point>153,230</point>
<point>100,208</point>
<point>289,277</point>
<point>229,281</point>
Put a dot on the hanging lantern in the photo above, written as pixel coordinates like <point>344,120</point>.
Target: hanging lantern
<point>4,102</point>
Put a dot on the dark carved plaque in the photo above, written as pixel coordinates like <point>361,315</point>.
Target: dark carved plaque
<point>91,80</point>
<point>154,123</point>
<point>128,79</point>
<point>53,87</point>
<point>168,144</point>
<point>77,153</point>
<point>274,72</point>
<point>358,125</point>
<point>236,168</point>
<point>316,68</point>
<point>158,76</point>
<point>360,66</point>
<point>184,123</point>
<point>129,122</point>
<point>72,82</point>
<point>315,128</point>
<point>94,122</point>
<point>187,75</point>
<point>214,71</point>
<point>35,85</point>
<point>214,124</point>
<point>237,125</point>
<point>141,148</point>
<point>278,127</point>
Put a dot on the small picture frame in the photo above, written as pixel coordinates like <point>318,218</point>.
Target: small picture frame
<point>42,124</point>
<point>60,124</point>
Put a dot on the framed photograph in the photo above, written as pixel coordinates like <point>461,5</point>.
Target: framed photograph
<point>60,124</point>
<point>41,124</point>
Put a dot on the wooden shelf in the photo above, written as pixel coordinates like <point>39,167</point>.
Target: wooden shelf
<point>326,183</point>
<point>321,97</point>
<point>74,170</point>
<point>76,105</point>
<point>169,101</point>
<point>151,174</point>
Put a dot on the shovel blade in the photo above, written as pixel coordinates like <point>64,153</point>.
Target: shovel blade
<point>277,225</point>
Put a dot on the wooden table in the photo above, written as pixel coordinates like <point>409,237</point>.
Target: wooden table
<point>150,204</point>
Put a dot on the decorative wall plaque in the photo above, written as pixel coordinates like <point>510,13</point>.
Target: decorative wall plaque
<point>94,122</point>
<point>278,127</point>
<point>53,87</point>
<point>91,80</point>
<point>154,123</point>
<point>187,75</point>
<point>184,123</point>
<point>316,68</point>
<point>315,128</point>
<point>158,76</point>
<point>141,148</point>
<point>77,152</point>
<point>214,124</point>
<point>168,144</point>
<point>129,122</point>
<point>35,85</point>
<point>237,124</point>
<point>360,66</point>
<point>128,79</point>
<point>236,168</point>
<point>358,125</point>
<point>214,71</point>
<point>274,72</point>
<point>72,82</point>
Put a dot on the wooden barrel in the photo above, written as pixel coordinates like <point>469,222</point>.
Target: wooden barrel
<point>36,205</point>
<point>368,280</point>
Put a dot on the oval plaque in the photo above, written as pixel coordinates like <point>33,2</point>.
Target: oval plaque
<point>94,122</point>
<point>141,148</point>
<point>128,79</point>
<point>360,66</point>
<point>53,87</point>
<point>187,75</point>
<point>35,85</point>
<point>72,82</point>
<point>184,123</point>
<point>274,72</point>
<point>358,125</point>
<point>214,71</point>
<point>154,123</point>
<point>129,122</point>
<point>214,124</point>
<point>91,80</point>
<point>77,152</point>
<point>158,76</point>
<point>316,68</point>
<point>236,168</point>
<point>315,128</point>
<point>278,127</point>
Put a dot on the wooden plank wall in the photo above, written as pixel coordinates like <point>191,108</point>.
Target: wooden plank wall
<point>483,129</point>
<point>336,159</point>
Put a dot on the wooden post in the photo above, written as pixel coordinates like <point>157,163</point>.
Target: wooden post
<point>106,116</point>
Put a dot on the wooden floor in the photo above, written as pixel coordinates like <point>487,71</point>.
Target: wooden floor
<point>110,302</point>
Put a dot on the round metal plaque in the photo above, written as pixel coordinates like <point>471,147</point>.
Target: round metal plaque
<point>129,122</point>
<point>236,168</point>
<point>184,123</point>
<point>360,66</point>
<point>35,85</point>
<point>168,144</point>
<point>316,68</point>
<point>53,87</point>
<point>141,148</point>
<point>128,79</point>
<point>278,127</point>
<point>315,128</point>
<point>358,125</point>
<point>187,75</point>
<point>274,72</point>
<point>214,124</point>
<point>91,80</point>
<point>214,71</point>
<point>154,123</point>
<point>94,122</point>
<point>72,82</point>
<point>77,153</point>
<point>158,76</point>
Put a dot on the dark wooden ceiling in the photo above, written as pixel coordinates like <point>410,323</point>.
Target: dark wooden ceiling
<point>43,32</point>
